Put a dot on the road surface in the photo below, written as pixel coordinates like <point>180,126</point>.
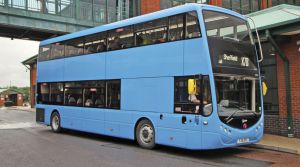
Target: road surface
<point>25,143</point>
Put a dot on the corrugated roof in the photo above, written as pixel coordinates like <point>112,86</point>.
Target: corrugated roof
<point>275,16</point>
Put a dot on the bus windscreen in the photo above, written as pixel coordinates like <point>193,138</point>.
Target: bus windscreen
<point>230,43</point>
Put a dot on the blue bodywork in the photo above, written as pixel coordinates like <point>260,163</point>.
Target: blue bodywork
<point>147,88</point>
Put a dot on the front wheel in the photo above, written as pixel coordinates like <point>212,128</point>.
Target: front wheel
<point>55,122</point>
<point>145,134</point>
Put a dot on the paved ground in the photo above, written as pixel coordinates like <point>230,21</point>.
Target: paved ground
<point>24,143</point>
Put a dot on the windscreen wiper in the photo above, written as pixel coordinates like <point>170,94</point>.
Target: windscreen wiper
<point>229,118</point>
<point>234,39</point>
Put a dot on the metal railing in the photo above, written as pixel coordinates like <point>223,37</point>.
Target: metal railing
<point>92,10</point>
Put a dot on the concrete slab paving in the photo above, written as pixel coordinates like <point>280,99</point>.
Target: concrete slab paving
<point>279,143</point>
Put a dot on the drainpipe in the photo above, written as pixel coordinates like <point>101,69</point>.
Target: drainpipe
<point>287,83</point>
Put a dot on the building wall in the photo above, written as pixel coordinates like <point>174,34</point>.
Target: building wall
<point>32,84</point>
<point>20,100</point>
<point>290,49</point>
<point>2,100</point>
<point>148,6</point>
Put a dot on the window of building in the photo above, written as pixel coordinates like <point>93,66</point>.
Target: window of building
<point>43,93</point>
<point>74,47</point>
<point>99,11</point>
<point>245,6</point>
<point>151,32</point>
<point>113,94</point>
<point>44,53</point>
<point>176,27</point>
<point>269,76</point>
<point>57,51</point>
<point>198,102</point>
<point>95,43</point>
<point>192,25</point>
<point>226,4</point>
<point>56,93</point>
<point>236,5</point>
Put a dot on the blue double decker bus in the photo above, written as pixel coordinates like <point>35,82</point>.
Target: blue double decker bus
<point>187,77</point>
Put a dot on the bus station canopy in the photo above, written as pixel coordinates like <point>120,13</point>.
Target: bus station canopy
<point>281,20</point>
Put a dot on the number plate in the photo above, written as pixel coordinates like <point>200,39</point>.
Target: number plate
<point>242,140</point>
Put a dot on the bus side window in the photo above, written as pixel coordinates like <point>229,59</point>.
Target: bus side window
<point>192,25</point>
<point>113,94</point>
<point>44,53</point>
<point>120,38</point>
<point>57,93</point>
<point>74,47</point>
<point>73,94</point>
<point>206,96</point>
<point>57,51</point>
<point>151,32</point>
<point>176,27</point>
<point>43,93</point>
<point>185,102</point>
<point>95,43</point>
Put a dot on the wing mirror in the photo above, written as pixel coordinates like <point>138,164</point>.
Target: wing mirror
<point>224,103</point>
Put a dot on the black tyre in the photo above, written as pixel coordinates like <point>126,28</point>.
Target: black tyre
<point>55,122</point>
<point>145,134</point>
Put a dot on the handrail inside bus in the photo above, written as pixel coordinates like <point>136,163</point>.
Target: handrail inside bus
<point>258,39</point>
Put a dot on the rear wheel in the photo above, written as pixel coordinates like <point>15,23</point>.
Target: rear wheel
<point>55,122</point>
<point>145,134</point>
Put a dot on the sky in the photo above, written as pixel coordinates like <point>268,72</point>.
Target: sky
<point>12,53</point>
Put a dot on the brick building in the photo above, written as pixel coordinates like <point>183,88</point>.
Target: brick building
<point>10,97</point>
<point>31,66</point>
<point>279,28</point>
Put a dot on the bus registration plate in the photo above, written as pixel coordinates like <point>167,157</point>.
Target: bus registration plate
<point>243,140</point>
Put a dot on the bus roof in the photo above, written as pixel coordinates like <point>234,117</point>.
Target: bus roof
<point>139,19</point>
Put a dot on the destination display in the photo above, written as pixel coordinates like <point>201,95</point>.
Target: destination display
<point>233,60</point>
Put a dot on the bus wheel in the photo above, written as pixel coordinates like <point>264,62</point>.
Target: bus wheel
<point>55,122</point>
<point>145,134</point>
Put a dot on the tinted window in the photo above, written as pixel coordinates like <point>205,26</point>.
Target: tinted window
<point>57,51</point>
<point>120,38</point>
<point>56,93</point>
<point>95,43</point>
<point>73,94</point>
<point>44,53</point>
<point>74,47</point>
<point>94,95</point>
<point>176,29</point>
<point>194,103</point>
<point>113,94</point>
<point>192,25</point>
<point>151,32</point>
<point>43,93</point>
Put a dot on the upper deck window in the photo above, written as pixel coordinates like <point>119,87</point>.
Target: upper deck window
<point>57,51</point>
<point>95,43</point>
<point>44,53</point>
<point>167,29</point>
<point>74,47</point>
<point>192,25</point>
<point>176,27</point>
<point>120,38</point>
<point>151,32</point>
